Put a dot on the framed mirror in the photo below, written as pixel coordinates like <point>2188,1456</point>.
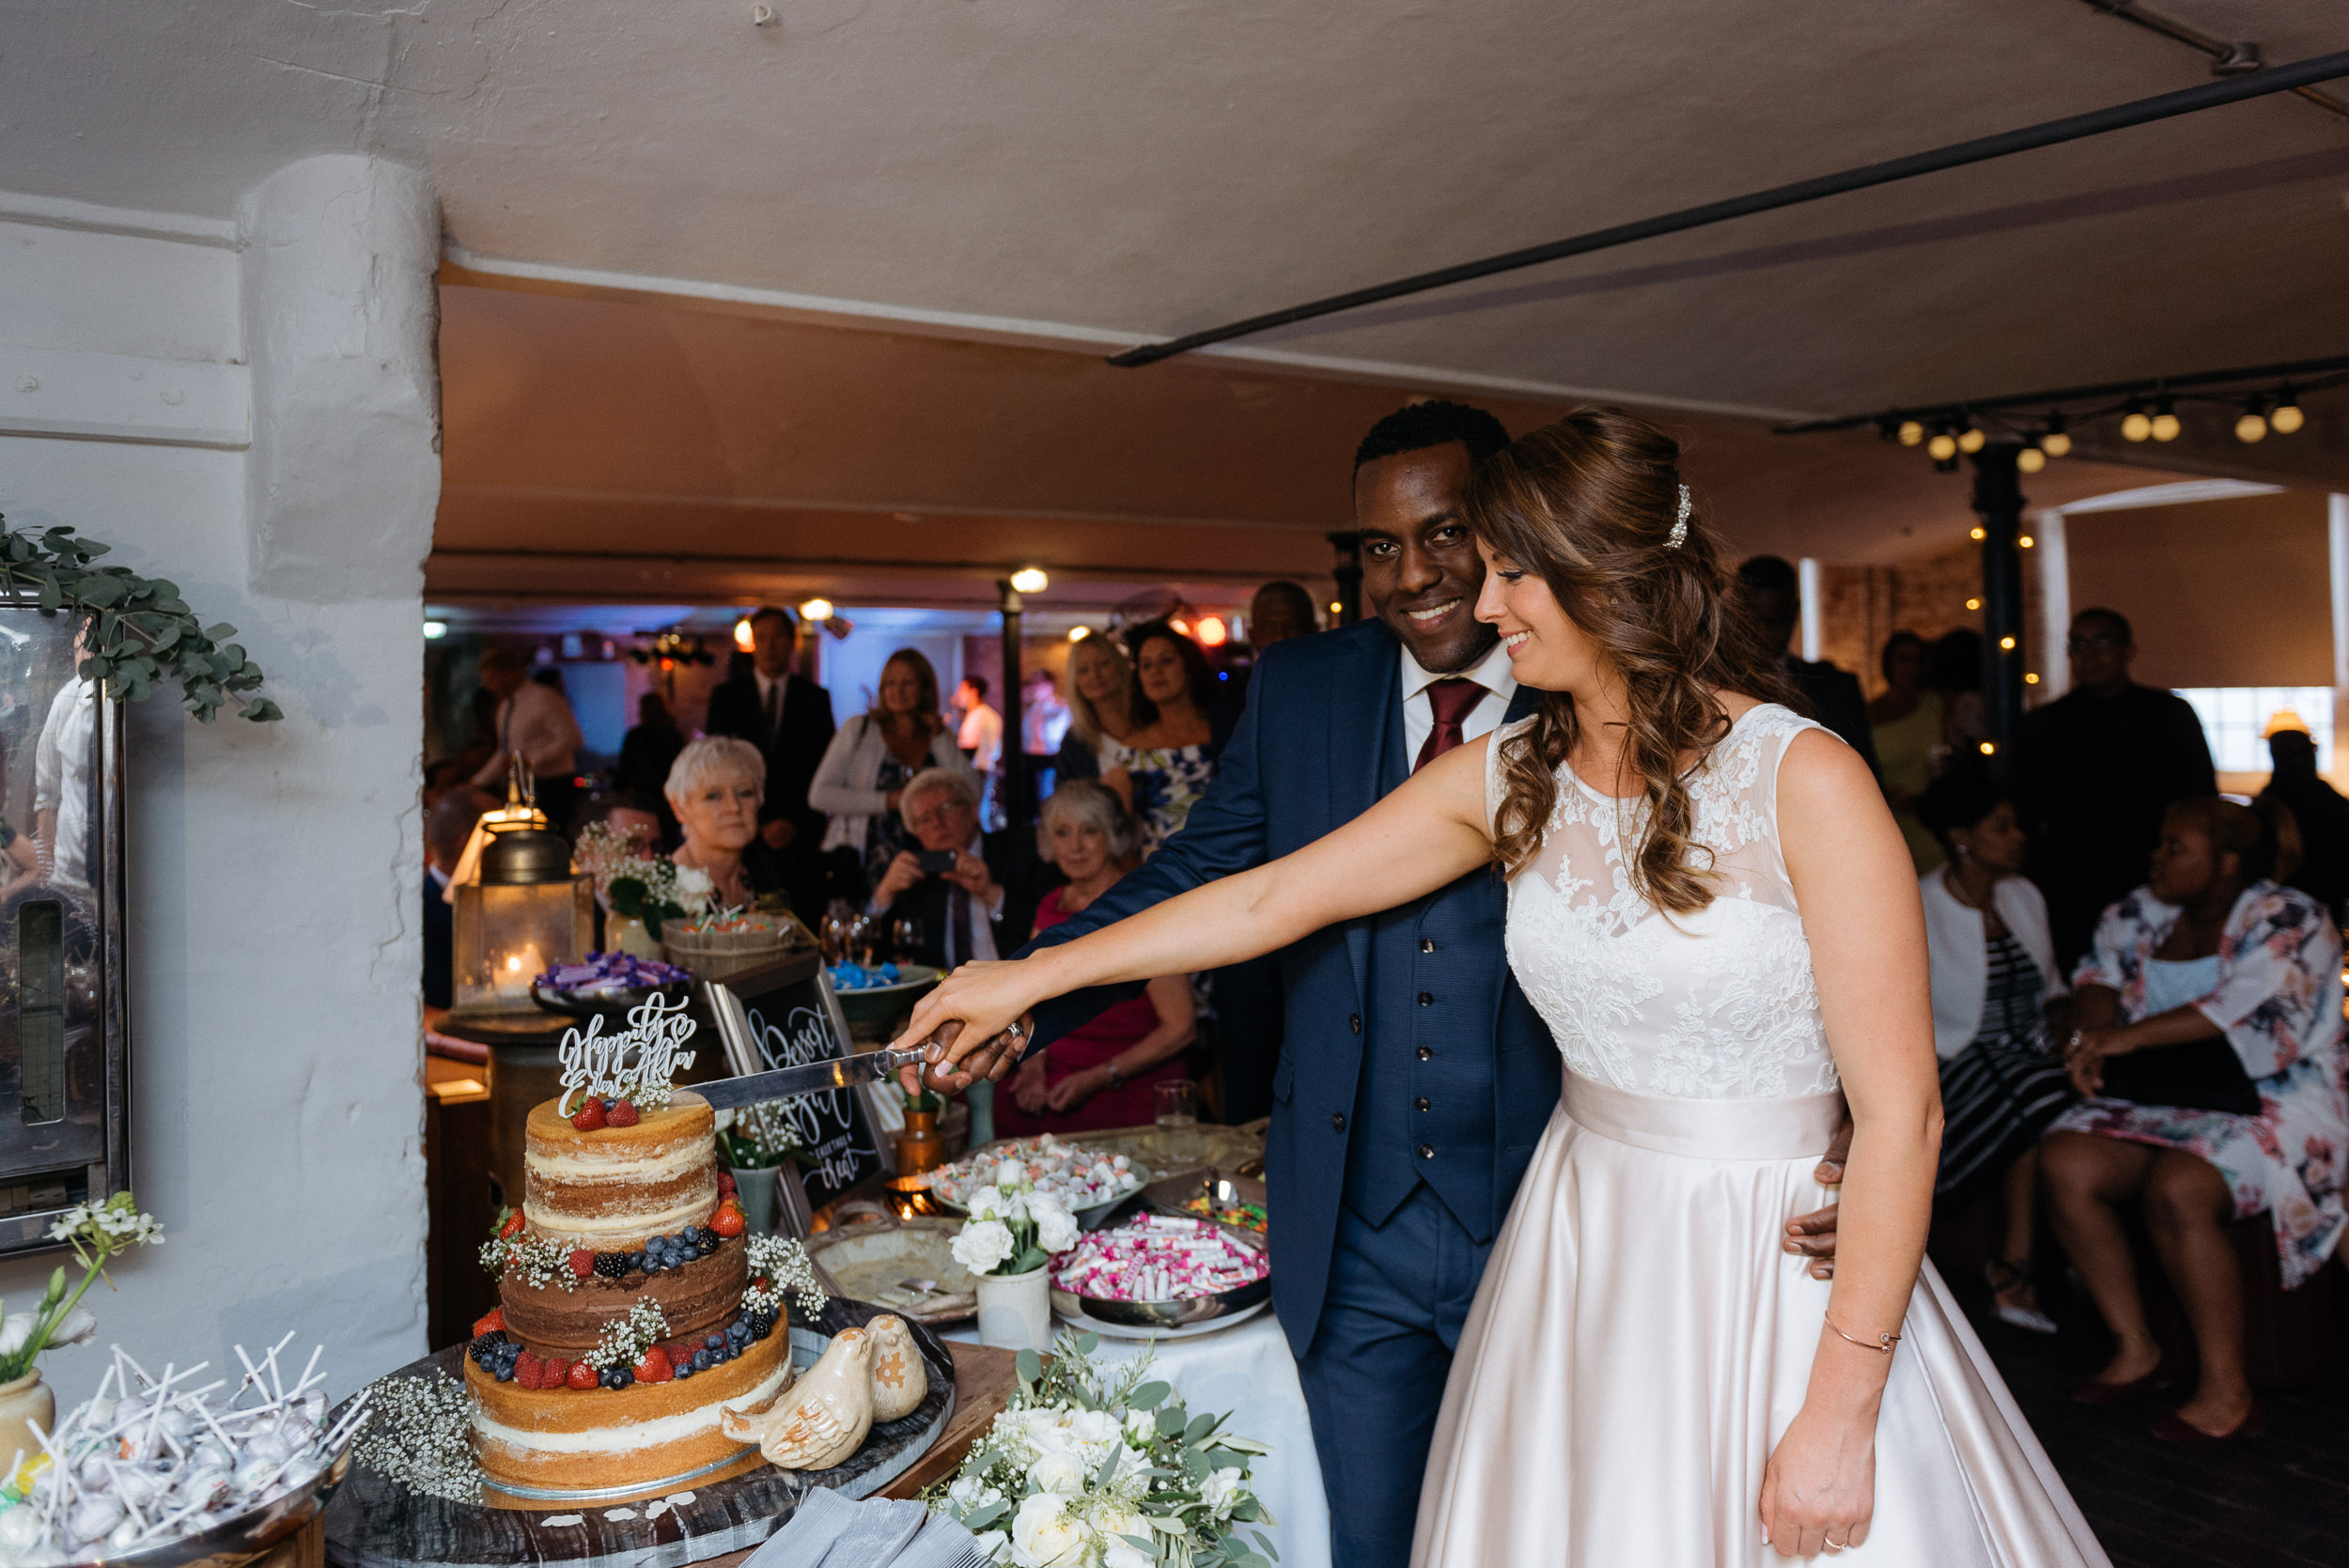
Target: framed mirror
<point>64,1037</point>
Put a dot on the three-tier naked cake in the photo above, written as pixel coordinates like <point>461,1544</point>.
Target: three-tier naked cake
<point>632,1310</point>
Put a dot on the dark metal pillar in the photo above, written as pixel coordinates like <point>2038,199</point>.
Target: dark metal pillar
<point>1348,572</point>
<point>1998,503</point>
<point>1018,809</point>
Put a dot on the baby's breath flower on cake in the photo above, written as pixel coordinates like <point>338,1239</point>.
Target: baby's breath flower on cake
<point>626,1340</point>
<point>782,1264</point>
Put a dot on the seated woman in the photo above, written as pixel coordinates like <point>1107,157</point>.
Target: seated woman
<point>866,768</point>
<point>1905,725</point>
<point>1994,972</point>
<point>715,787</point>
<point>1101,1075</point>
<point>1100,707</point>
<point>2210,1025</point>
<point>1162,768</point>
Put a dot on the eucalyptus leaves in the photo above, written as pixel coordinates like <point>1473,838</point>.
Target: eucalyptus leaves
<point>1090,1467</point>
<point>144,631</point>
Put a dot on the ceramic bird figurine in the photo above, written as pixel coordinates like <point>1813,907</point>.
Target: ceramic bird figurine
<point>899,1379</point>
<point>823,1418</point>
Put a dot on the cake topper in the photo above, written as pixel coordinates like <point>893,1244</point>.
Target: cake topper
<point>635,1064</point>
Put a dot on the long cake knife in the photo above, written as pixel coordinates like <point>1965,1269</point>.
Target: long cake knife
<point>817,1078</point>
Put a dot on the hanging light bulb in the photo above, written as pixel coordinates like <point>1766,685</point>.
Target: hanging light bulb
<point>1029,580</point>
<point>2253,425</point>
<point>2287,419</point>
<point>1970,440</point>
<point>2030,459</point>
<point>1079,633</point>
<point>1973,604</point>
<point>1942,447</point>
<point>2165,425</point>
<point>2057,443</point>
<point>2134,425</point>
<point>818,611</point>
<point>1911,432</point>
<point>2024,541</point>
<point>1977,534</point>
<point>742,634</point>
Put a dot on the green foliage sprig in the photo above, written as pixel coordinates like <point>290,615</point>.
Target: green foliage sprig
<point>144,632</point>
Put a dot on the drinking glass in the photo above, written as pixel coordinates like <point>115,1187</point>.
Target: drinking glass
<point>1177,1103</point>
<point>905,935</point>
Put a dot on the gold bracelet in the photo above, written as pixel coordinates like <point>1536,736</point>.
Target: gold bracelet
<point>1884,1346</point>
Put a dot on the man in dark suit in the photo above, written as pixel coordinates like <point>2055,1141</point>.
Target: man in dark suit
<point>984,904</point>
<point>1414,1079</point>
<point>789,717</point>
<point>447,828</point>
<point>1771,591</point>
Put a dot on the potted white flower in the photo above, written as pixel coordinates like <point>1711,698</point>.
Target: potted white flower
<point>96,1233</point>
<point>1008,1243</point>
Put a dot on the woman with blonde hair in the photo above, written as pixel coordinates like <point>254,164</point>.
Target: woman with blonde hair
<point>1710,906</point>
<point>1101,706</point>
<point>869,762</point>
<point>715,787</point>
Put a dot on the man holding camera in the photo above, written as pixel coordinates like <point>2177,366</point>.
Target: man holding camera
<point>968,894</point>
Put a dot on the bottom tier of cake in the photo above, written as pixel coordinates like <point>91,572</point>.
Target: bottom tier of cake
<point>561,1448</point>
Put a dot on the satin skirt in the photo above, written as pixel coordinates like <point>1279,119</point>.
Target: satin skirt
<point>1641,1341</point>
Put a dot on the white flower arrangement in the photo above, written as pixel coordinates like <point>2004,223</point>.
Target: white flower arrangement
<point>1087,1469</point>
<point>97,1232</point>
<point>1013,1227</point>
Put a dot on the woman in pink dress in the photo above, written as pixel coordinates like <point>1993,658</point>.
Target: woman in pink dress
<point>1103,1075</point>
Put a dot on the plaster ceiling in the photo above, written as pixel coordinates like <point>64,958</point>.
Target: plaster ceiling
<point>996,190</point>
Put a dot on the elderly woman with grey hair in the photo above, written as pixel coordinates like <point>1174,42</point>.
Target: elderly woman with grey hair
<point>715,787</point>
<point>1103,1073</point>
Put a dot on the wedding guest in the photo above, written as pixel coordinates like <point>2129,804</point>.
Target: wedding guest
<point>2317,810</point>
<point>1993,975</point>
<point>786,718</point>
<point>1279,610</point>
<point>1043,726</point>
<point>1905,725</point>
<point>980,729</point>
<point>862,777</point>
<point>1163,767</point>
<point>1101,1074</point>
<point>1957,676</point>
<point>439,778</point>
<point>715,787</point>
<point>1771,590</point>
<point>481,744</point>
<point>63,829</point>
<point>2094,771</point>
<point>449,827</point>
<point>534,723</point>
<point>2210,1035</point>
<point>1101,706</point>
<point>975,909</point>
<point>647,751</point>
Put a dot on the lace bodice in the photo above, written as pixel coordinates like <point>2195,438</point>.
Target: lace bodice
<point>1716,1005</point>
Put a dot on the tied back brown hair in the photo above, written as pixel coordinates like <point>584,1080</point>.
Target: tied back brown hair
<point>2264,836</point>
<point>1589,504</point>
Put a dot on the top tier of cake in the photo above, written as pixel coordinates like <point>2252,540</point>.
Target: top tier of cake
<point>611,1189</point>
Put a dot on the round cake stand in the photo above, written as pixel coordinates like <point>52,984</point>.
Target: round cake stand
<point>378,1523</point>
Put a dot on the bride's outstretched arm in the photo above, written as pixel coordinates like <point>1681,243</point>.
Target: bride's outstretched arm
<point>1429,832</point>
<point>1865,924</point>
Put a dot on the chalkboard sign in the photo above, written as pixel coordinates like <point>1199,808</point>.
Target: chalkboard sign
<point>786,1015</point>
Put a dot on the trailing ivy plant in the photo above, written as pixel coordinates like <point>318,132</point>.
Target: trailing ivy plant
<point>143,632</point>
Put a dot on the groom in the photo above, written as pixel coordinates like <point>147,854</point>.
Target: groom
<point>1415,1079</point>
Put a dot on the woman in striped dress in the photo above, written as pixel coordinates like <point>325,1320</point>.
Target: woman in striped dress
<point>1994,974</point>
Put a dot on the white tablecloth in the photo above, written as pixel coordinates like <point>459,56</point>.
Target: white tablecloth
<point>1248,1371</point>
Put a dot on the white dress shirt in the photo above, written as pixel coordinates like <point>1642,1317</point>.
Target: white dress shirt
<point>536,723</point>
<point>1491,672</point>
<point>61,765</point>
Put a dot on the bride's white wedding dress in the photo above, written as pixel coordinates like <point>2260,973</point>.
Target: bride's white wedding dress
<point>1641,1340</point>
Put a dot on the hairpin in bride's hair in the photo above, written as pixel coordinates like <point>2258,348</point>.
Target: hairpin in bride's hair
<point>1680,523</point>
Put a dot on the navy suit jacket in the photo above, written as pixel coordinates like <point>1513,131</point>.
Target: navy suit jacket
<point>1319,741</point>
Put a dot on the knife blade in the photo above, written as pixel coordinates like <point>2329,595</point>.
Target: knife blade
<point>818,1077</point>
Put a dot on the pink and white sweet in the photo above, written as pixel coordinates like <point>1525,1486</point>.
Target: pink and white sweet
<point>1082,1179</point>
<point>1158,1257</point>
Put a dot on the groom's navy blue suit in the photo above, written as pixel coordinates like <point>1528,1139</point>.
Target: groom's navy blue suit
<point>1414,1084</point>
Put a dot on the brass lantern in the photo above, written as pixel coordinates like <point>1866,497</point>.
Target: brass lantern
<point>522,911</point>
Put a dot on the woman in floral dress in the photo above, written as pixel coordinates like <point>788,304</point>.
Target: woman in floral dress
<point>1165,766</point>
<point>2210,950</point>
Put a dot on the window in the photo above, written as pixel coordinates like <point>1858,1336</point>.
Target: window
<point>2235,716</point>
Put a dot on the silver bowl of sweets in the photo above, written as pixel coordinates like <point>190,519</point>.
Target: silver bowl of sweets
<point>1159,1272</point>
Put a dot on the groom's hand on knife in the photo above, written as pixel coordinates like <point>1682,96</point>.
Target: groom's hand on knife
<point>987,1062</point>
<point>1813,1235</point>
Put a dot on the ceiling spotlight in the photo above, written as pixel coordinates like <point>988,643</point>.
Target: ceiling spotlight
<point>1079,633</point>
<point>2134,425</point>
<point>1911,432</point>
<point>1942,447</point>
<point>2057,443</point>
<point>1029,580</point>
<point>2253,425</point>
<point>435,630</point>
<point>2287,419</point>
<point>816,610</point>
<point>1970,440</point>
<point>2165,425</point>
<point>2030,459</point>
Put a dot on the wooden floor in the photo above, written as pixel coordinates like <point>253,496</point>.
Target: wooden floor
<point>2280,1500</point>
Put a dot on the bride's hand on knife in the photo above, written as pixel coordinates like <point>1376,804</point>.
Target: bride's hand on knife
<point>986,999</point>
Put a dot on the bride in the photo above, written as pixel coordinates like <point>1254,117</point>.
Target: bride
<point>1714,912</point>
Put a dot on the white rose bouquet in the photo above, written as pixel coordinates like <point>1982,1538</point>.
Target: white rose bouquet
<point>1013,1227</point>
<point>1088,1467</point>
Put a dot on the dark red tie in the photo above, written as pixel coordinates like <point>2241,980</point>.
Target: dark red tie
<point>1452,701</point>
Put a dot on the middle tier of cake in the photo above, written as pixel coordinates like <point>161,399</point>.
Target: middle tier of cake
<point>552,1321</point>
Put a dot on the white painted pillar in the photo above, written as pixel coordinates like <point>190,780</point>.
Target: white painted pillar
<point>2336,552</point>
<point>2055,609</point>
<point>1807,584</point>
<point>342,322</point>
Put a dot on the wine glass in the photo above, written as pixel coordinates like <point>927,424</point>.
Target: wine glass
<point>905,935</point>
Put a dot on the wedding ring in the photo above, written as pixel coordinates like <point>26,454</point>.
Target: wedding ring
<point>1833,1545</point>
<point>1016,1032</point>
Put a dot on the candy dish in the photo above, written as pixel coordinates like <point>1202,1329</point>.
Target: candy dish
<point>1066,1306</point>
<point>1095,1185</point>
<point>1207,1272</point>
<point>617,1002</point>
